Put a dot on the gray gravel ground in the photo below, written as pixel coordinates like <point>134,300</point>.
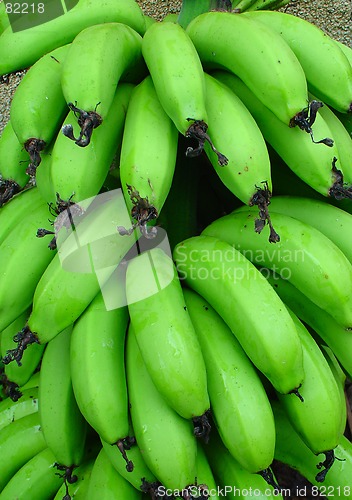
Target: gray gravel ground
<point>333,16</point>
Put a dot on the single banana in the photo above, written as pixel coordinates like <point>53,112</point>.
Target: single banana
<point>166,440</point>
<point>78,173</point>
<point>239,404</point>
<point>26,405</point>
<point>268,66</point>
<point>86,259</point>
<point>234,480</point>
<point>102,331</point>
<point>334,335</point>
<point>106,483</point>
<point>156,305</point>
<point>304,256</point>
<point>327,69</point>
<point>19,442</point>
<point>291,450</point>
<point>20,375</point>
<point>318,418</point>
<point>22,48</point>
<point>13,163</point>
<point>235,288</point>
<point>328,219</point>
<point>23,259</point>
<point>148,151</point>
<point>62,423</point>
<point>36,479</point>
<point>38,106</point>
<point>89,89</point>
<point>313,163</point>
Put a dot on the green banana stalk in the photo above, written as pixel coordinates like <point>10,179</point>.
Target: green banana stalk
<point>304,256</point>
<point>36,479</point>
<point>156,305</point>
<point>89,78</point>
<point>23,48</point>
<point>235,390</point>
<point>252,311</point>
<point>166,439</point>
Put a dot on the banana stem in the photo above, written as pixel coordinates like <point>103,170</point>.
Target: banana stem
<point>34,146</point>
<point>87,120</point>
<point>10,389</point>
<point>261,198</point>
<point>123,445</point>
<point>327,464</point>
<point>24,338</point>
<point>202,426</point>
<point>8,189</point>
<point>339,190</point>
<point>198,131</point>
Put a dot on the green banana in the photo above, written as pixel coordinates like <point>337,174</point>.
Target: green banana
<point>22,48</point>
<point>313,163</point>
<point>20,375</point>
<point>304,256</point>
<point>23,259</point>
<point>318,419</point>
<point>36,479</point>
<point>32,382</point>
<point>327,69</point>
<point>13,162</point>
<point>102,331</point>
<point>291,450</point>
<point>166,440</point>
<point>86,259</point>
<point>239,403</point>
<point>234,131</point>
<point>106,483</point>
<point>62,423</point>
<point>11,411</point>
<point>156,305</point>
<point>148,151</point>
<point>19,442</point>
<point>79,488</point>
<point>334,335</point>
<point>239,294</point>
<point>345,49</point>
<point>268,66</point>
<point>206,482</point>
<point>12,213</point>
<point>328,219</point>
<point>233,479</point>
<point>89,89</point>
<point>38,106</point>
<point>4,18</point>
<point>78,173</point>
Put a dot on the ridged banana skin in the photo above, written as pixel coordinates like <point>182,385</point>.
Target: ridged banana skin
<point>232,478</point>
<point>165,439</point>
<point>20,375</point>
<point>26,405</point>
<point>79,489</point>
<point>12,212</point>
<point>97,354</point>
<point>239,403</point>
<point>149,147</point>
<point>332,221</point>
<point>89,77</point>
<point>336,337</point>
<point>291,450</point>
<point>62,423</point>
<point>63,294</point>
<point>177,73</point>
<point>267,65</point>
<point>327,69</point>
<point>38,106</point>
<point>23,260</point>
<point>235,289</point>
<point>162,325</point>
<point>106,483</point>
<point>318,418</point>
<point>19,442</point>
<point>304,256</point>
<point>36,479</point>
<point>311,162</point>
<point>13,159</point>
<point>81,171</point>
<point>140,469</point>
<point>235,133</point>
<point>23,48</point>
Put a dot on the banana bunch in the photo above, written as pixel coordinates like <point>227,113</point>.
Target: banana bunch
<point>187,324</point>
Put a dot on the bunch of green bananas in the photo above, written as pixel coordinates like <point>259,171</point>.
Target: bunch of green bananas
<point>179,339</point>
